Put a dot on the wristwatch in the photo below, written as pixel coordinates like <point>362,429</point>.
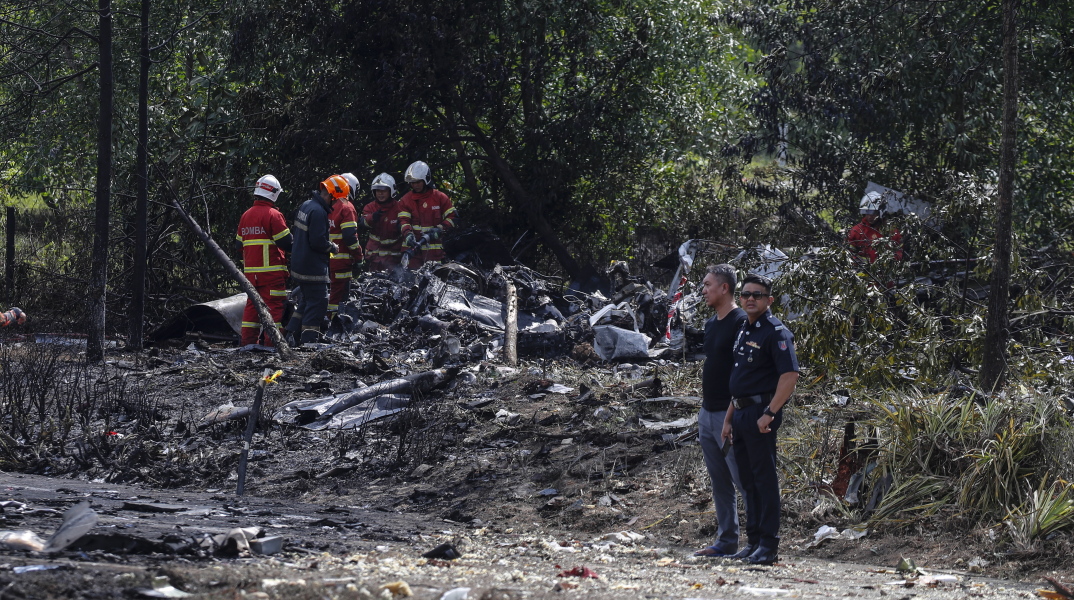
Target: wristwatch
<point>768,411</point>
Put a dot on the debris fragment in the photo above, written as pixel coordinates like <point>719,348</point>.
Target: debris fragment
<point>244,541</point>
<point>907,565</point>
<point>583,572</point>
<point>398,589</point>
<point>926,580</point>
<point>353,408</point>
<point>446,551</point>
<point>757,591</point>
<point>162,588</point>
<point>78,520</point>
<point>461,593</point>
<point>22,540</point>
<point>31,568</point>
<point>266,545</point>
<point>616,343</point>
<point>827,532</point>
<point>1061,591</point>
<point>223,413</point>
<point>676,424</point>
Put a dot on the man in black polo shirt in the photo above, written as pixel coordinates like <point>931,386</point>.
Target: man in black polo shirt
<point>763,377</point>
<point>718,289</point>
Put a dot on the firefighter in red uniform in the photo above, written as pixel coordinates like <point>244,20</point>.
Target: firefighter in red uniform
<point>343,231</point>
<point>381,218</point>
<point>265,238</point>
<point>862,236</point>
<point>424,211</point>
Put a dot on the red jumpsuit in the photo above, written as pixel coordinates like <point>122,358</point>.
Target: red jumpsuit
<point>419,213</point>
<point>343,230</point>
<point>264,236</point>
<point>385,242</point>
<point>862,235</point>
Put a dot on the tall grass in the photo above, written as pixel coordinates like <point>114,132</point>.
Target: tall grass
<point>985,459</point>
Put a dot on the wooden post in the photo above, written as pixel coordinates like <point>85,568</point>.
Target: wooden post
<point>510,344</point>
<point>9,264</point>
<point>251,292</point>
<point>251,425</point>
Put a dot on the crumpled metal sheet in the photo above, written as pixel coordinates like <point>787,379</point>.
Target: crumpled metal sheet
<point>616,343</point>
<point>220,317</point>
<point>358,415</point>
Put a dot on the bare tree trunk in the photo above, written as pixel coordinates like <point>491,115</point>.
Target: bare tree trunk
<point>263,313</point>
<point>997,332</point>
<point>136,314</point>
<point>510,336</point>
<point>518,193</point>
<point>98,285</point>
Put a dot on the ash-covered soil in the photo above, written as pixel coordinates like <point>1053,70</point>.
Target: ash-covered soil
<point>527,481</point>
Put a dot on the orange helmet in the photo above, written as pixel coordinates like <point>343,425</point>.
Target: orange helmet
<point>337,187</point>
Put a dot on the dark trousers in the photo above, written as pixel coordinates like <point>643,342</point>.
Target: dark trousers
<point>311,308</point>
<point>756,456</point>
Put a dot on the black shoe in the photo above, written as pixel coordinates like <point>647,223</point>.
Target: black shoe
<point>743,553</point>
<point>762,556</point>
<point>716,551</point>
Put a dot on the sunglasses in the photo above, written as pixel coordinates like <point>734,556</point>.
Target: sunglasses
<point>758,295</point>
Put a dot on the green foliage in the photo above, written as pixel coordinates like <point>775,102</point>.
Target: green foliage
<point>1048,510</point>
<point>986,459</point>
<point>910,98</point>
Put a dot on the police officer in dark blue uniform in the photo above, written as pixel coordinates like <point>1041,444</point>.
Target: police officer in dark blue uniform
<point>763,377</point>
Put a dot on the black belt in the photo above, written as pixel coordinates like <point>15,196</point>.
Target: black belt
<point>741,402</point>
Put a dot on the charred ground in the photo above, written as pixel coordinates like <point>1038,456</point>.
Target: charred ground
<point>526,469</point>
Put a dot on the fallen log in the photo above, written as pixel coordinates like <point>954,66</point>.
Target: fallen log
<point>322,409</point>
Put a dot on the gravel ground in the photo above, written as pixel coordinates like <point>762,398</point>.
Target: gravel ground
<point>370,553</point>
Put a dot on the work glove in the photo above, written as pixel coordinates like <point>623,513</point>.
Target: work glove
<point>410,242</point>
<point>434,233</point>
<point>358,266</point>
<point>335,247</point>
<point>376,217</point>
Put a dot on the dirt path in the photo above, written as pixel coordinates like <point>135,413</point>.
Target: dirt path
<point>351,552</point>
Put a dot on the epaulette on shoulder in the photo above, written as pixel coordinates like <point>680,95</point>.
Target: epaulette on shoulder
<point>775,322</point>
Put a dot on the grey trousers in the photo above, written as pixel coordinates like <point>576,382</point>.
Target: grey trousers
<point>723,472</point>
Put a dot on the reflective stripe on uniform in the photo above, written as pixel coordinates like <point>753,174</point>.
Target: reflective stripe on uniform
<point>278,293</point>
<point>281,235</point>
<point>346,275</point>
<point>268,269</point>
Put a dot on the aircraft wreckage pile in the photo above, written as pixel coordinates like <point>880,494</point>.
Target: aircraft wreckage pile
<point>412,331</point>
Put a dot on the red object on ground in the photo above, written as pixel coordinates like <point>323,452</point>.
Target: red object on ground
<point>583,572</point>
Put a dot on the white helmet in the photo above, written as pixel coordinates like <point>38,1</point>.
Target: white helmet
<point>268,187</point>
<point>872,204</point>
<point>383,181</point>
<point>418,171</point>
<point>353,182</point>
